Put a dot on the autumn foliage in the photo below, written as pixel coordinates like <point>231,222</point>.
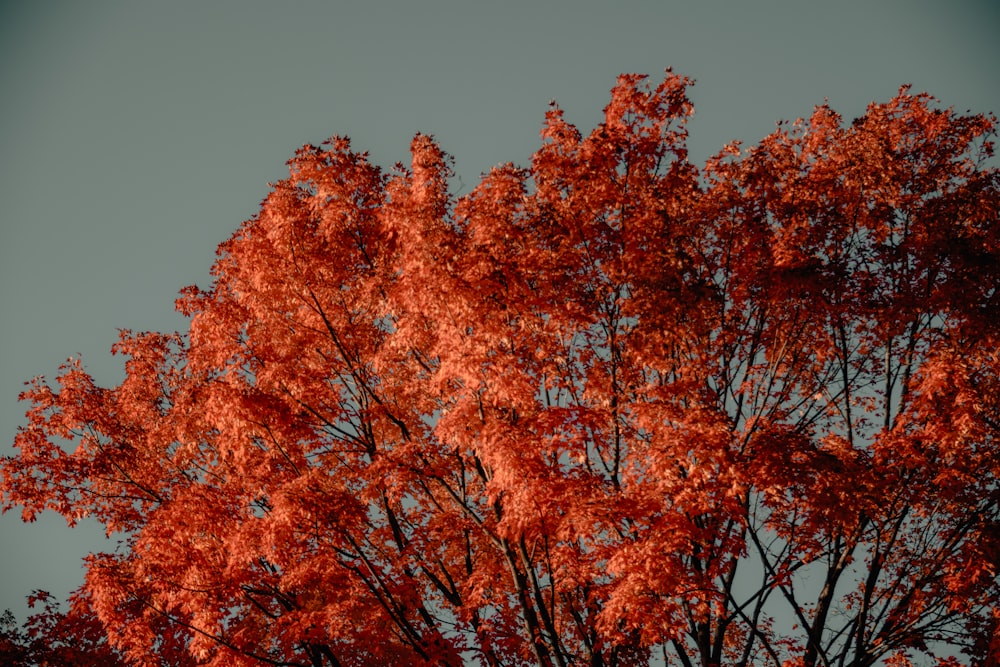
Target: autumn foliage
<point>609,409</point>
<point>52,637</point>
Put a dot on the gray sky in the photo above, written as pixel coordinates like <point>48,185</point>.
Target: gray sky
<point>135,136</point>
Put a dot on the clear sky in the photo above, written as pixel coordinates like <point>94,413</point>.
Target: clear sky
<point>136,135</point>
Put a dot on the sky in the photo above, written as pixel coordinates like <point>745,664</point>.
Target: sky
<point>135,136</point>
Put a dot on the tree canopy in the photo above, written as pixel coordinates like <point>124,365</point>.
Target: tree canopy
<point>612,408</point>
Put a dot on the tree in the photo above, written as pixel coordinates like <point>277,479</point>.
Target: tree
<point>55,638</point>
<point>609,409</point>
<point>12,649</point>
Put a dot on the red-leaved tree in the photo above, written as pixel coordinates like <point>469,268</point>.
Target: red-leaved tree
<point>609,409</point>
<point>52,637</point>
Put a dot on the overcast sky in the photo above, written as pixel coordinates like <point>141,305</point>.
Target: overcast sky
<point>135,136</point>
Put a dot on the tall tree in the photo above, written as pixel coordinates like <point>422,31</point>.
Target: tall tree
<point>608,409</point>
<point>52,637</point>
